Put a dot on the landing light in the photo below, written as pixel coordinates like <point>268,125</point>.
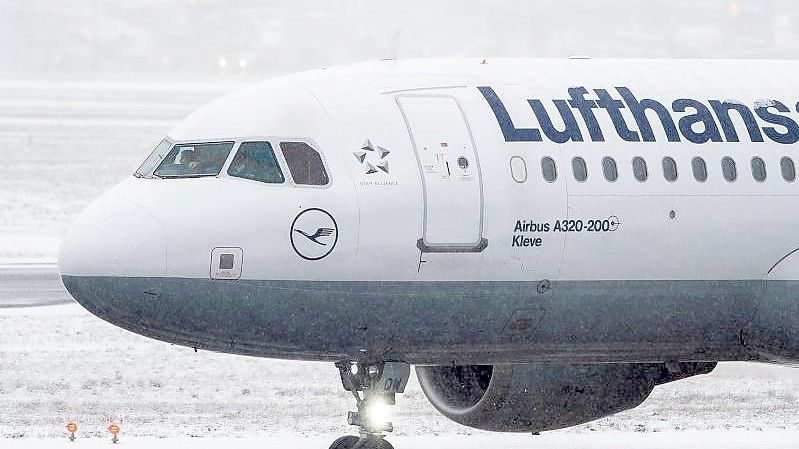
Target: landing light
<point>222,62</point>
<point>377,413</point>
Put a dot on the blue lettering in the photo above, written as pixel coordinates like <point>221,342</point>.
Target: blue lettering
<point>511,133</point>
<point>791,135</point>
<point>585,107</point>
<point>571,129</point>
<point>723,109</point>
<point>702,115</point>
<point>701,123</point>
<point>639,108</point>
<point>614,108</point>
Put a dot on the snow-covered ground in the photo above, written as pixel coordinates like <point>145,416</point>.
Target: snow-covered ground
<point>59,363</point>
<point>557,440</point>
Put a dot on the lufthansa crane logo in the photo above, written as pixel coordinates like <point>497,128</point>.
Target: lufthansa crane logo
<point>373,159</point>
<point>314,234</point>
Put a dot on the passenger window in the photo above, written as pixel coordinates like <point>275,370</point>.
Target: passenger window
<point>700,169</point>
<point>305,164</point>
<point>669,169</point>
<point>609,169</point>
<point>639,169</point>
<point>194,160</point>
<point>548,169</point>
<point>788,169</point>
<point>518,169</point>
<point>256,161</point>
<point>728,169</point>
<point>758,169</point>
<point>579,168</point>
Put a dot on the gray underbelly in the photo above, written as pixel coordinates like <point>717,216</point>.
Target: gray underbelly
<point>436,322</point>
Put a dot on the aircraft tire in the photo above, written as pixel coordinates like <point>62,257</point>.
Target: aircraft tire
<point>351,442</point>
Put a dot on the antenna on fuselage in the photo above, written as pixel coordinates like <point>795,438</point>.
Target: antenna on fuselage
<point>393,47</point>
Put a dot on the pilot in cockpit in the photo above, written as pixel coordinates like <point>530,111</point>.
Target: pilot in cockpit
<point>188,160</point>
<point>256,161</point>
<point>202,162</point>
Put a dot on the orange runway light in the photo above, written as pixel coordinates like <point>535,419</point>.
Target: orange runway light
<point>72,428</point>
<point>114,429</point>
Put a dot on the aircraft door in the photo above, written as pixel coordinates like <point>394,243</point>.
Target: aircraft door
<point>450,172</point>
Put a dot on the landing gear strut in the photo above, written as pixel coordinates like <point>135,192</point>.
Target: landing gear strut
<point>379,383</point>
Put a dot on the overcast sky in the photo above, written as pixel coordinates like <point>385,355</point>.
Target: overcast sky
<point>241,39</point>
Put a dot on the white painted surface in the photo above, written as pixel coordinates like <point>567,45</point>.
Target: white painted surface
<point>453,195</point>
<point>718,231</point>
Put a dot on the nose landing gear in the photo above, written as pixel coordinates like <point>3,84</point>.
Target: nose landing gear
<point>379,383</point>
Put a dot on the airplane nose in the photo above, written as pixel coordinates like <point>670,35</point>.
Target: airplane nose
<point>113,238</point>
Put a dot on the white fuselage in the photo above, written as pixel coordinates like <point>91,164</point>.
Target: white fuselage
<point>441,177</point>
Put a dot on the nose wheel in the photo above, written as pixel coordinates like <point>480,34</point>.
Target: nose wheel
<point>374,387</point>
<point>352,442</point>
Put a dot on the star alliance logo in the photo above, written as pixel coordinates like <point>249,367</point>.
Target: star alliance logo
<point>372,158</point>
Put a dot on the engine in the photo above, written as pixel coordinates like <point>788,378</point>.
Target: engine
<point>540,397</point>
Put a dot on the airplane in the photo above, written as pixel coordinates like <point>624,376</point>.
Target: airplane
<point>544,240</point>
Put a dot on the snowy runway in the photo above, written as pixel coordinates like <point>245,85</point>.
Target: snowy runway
<point>588,440</point>
<point>59,363</point>
<point>31,284</point>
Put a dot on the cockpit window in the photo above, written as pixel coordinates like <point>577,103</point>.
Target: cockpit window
<point>256,161</point>
<point>194,160</point>
<point>154,159</point>
<point>304,163</point>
